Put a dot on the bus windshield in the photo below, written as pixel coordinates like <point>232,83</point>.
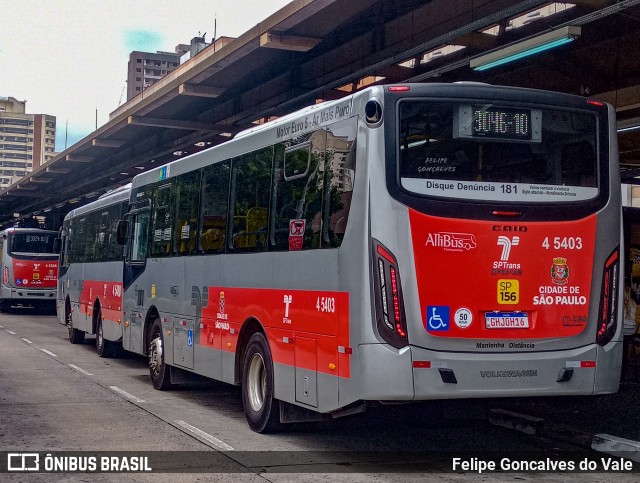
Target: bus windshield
<point>32,243</point>
<point>481,150</point>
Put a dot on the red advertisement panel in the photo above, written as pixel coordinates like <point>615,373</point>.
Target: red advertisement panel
<point>286,314</point>
<point>35,273</point>
<point>491,280</point>
<point>109,294</point>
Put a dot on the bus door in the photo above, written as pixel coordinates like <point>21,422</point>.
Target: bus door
<point>135,261</point>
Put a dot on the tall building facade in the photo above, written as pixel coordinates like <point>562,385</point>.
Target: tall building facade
<point>145,69</point>
<point>27,141</point>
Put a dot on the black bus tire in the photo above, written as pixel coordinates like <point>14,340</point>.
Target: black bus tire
<point>158,370</point>
<point>261,409</point>
<point>5,305</point>
<point>75,336</point>
<point>103,346</point>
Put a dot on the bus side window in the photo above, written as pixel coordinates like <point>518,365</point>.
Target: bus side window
<point>298,188</point>
<point>340,172</point>
<point>79,247</point>
<point>102,238</point>
<point>215,196</point>
<point>160,239</point>
<point>249,205</point>
<point>68,248</point>
<point>139,238</point>
<point>114,249</point>
<point>187,198</point>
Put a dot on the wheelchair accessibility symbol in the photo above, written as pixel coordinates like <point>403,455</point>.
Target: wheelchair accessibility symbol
<point>189,338</point>
<point>437,318</point>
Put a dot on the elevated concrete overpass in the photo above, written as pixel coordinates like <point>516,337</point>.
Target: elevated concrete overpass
<point>315,50</point>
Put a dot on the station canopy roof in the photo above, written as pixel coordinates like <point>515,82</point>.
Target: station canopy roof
<point>314,50</point>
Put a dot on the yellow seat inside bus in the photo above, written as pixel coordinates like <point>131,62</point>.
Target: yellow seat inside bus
<point>213,233</point>
<point>254,233</point>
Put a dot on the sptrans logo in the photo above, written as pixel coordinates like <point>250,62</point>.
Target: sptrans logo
<point>452,242</point>
<point>504,266</point>
<point>506,243</point>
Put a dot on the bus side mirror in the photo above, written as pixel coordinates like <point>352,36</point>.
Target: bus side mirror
<point>121,234</point>
<point>57,243</point>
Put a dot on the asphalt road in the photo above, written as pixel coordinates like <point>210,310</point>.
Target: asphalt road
<point>59,397</point>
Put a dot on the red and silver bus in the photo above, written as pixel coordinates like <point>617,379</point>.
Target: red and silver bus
<point>407,242</point>
<point>89,300</point>
<point>29,267</point>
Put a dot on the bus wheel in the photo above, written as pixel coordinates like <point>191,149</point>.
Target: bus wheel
<point>158,370</point>
<point>5,305</point>
<point>75,336</point>
<point>261,409</point>
<point>103,346</point>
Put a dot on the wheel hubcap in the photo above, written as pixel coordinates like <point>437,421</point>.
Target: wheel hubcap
<point>155,354</point>
<point>256,382</point>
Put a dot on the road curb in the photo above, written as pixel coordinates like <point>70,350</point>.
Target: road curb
<point>613,445</point>
<point>603,443</point>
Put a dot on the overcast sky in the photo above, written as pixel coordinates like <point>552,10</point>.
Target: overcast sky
<point>68,58</point>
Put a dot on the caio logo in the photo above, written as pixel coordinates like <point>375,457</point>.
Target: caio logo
<point>509,228</point>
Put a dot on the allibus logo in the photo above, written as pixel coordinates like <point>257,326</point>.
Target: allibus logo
<point>452,241</point>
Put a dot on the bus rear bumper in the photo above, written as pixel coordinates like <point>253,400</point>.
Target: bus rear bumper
<point>18,294</point>
<point>577,371</point>
<point>415,373</point>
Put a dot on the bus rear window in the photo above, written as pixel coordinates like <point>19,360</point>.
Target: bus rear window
<point>31,243</point>
<point>485,151</point>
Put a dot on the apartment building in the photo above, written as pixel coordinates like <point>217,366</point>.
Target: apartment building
<point>27,141</point>
<point>145,68</point>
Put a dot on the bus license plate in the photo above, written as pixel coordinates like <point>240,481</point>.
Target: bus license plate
<point>506,320</point>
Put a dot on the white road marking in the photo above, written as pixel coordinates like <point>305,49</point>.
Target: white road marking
<point>27,341</point>
<point>79,369</point>
<point>48,352</point>
<point>212,439</point>
<point>11,332</point>
<point>126,394</point>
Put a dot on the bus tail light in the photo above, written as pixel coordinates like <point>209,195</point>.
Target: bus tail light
<point>390,316</point>
<point>608,313</point>
<point>6,275</point>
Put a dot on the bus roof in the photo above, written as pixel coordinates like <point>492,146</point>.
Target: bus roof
<point>320,115</point>
<point>278,130</point>
<point>116,195</point>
